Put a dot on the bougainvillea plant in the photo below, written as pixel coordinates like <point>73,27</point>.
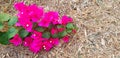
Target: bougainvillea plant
<point>34,28</point>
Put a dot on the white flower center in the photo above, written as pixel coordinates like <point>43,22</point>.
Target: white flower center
<point>50,41</point>
<point>27,25</point>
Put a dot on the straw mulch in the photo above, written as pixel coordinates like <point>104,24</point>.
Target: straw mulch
<point>98,34</point>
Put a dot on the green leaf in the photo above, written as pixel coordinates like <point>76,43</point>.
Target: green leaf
<point>55,36</point>
<point>69,30</point>
<point>59,26</point>
<point>75,27</point>
<point>4,38</point>
<point>46,35</point>
<point>40,29</point>
<point>62,34</point>
<point>69,26</point>
<point>11,32</point>
<point>4,17</point>
<point>1,26</point>
<point>23,33</point>
<point>12,21</point>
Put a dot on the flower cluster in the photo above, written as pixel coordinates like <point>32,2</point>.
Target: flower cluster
<point>45,28</point>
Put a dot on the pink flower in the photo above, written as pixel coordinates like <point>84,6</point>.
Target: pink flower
<point>47,45</point>
<point>27,41</point>
<point>31,12</point>
<point>35,12</point>
<point>74,31</point>
<point>20,6</point>
<point>36,46</point>
<point>49,17</point>
<point>23,15</point>
<point>54,41</point>
<point>17,24</point>
<point>54,31</point>
<point>54,16</point>
<point>25,23</point>
<point>66,19</point>
<point>61,29</point>
<point>16,40</point>
<point>65,39</point>
<point>36,35</point>
<point>45,22</point>
<point>28,26</point>
<point>28,14</point>
<point>59,21</point>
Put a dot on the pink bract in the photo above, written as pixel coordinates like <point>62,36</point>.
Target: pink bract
<point>16,40</point>
<point>45,22</point>
<point>54,41</point>
<point>35,12</point>
<point>65,39</point>
<point>53,16</point>
<point>54,31</point>
<point>66,19</point>
<point>74,31</point>
<point>28,14</point>
<point>17,24</point>
<point>47,45</point>
<point>20,6</point>
<point>61,29</point>
<point>26,24</point>
<point>49,17</point>
<point>36,46</point>
<point>30,17</point>
<point>36,35</point>
<point>27,41</point>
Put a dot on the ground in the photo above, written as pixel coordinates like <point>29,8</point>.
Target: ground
<point>98,34</point>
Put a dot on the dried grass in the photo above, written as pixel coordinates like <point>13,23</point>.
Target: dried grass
<point>98,35</point>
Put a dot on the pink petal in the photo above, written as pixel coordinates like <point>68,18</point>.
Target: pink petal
<point>66,19</point>
<point>36,35</point>
<point>36,46</point>
<point>74,31</point>
<point>17,24</point>
<point>27,25</point>
<point>54,31</point>
<point>61,29</point>
<point>20,6</point>
<point>53,16</point>
<point>34,19</point>
<point>49,17</point>
<point>54,41</point>
<point>65,39</point>
<point>27,42</point>
<point>47,45</point>
<point>16,40</point>
<point>35,13</point>
<point>44,22</point>
<point>59,21</point>
<point>23,15</point>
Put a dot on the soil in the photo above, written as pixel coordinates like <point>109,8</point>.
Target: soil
<point>98,34</point>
